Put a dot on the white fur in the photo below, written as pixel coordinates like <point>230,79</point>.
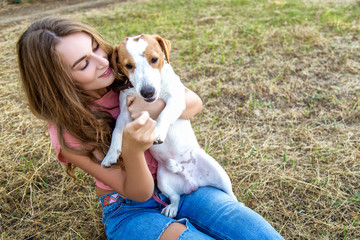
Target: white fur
<point>183,165</point>
<point>144,74</point>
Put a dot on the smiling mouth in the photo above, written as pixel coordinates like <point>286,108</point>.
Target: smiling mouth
<point>107,73</point>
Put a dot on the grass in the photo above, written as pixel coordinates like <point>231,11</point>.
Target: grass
<point>280,82</point>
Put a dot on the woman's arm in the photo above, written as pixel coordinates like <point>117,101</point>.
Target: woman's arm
<point>193,104</point>
<point>137,105</point>
<point>135,181</point>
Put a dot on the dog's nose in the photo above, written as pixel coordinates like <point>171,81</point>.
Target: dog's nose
<point>147,92</point>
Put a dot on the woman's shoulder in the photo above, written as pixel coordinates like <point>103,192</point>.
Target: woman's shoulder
<point>69,140</point>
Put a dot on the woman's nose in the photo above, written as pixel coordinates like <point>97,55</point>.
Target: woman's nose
<point>101,61</point>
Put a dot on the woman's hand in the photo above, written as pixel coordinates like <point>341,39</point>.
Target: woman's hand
<point>136,105</point>
<point>139,135</point>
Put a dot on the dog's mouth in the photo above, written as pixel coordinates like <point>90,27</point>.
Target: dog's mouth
<point>149,100</point>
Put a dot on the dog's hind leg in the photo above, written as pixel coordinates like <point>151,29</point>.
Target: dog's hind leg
<point>190,184</point>
<point>169,184</point>
<point>172,209</point>
<point>212,174</point>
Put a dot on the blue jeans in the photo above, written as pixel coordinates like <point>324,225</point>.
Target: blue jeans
<point>208,213</point>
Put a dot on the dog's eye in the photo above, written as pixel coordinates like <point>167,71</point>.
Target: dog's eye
<point>154,60</point>
<point>128,66</point>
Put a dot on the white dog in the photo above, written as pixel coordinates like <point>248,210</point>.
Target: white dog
<point>182,165</point>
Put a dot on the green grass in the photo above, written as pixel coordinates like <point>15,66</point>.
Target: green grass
<point>221,28</point>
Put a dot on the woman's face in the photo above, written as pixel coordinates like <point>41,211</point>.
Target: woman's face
<point>88,62</point>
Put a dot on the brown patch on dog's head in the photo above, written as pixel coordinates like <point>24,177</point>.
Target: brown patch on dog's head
<point>121,59</point>
<point>165,44</point>
<point>156,49</point>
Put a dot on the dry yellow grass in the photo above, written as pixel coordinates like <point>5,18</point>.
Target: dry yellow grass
<point>281,114</point>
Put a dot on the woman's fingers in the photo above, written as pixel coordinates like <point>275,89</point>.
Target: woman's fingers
<point>129,100</point>
<point>141,131</point>
<point>136,105</point>
<point>142,119</point>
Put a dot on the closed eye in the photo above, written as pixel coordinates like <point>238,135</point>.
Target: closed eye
<point>96,47</point>
<point>85,66</point>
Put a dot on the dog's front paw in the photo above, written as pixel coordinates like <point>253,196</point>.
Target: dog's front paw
<point>170,210</point>
<point>158,140</point>
<point>110,158</point>
<point>160,135</point>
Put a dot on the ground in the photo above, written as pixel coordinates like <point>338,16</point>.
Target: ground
<point>280,84</point>
<point>12,13</point>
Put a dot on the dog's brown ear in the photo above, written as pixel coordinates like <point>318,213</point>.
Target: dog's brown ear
<point>114,60</point>
<point>165,45</point>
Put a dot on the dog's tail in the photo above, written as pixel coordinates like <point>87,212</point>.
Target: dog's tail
<point>212,174</point>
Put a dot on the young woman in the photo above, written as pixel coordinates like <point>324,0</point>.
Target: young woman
<point>68,81</point>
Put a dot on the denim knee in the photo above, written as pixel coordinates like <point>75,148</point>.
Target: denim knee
<point>218,215</point>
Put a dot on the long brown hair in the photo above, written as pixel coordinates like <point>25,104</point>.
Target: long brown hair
<point>51,92</point>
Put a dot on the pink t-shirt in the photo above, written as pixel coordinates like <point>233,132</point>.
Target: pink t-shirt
<point>111,101</point>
